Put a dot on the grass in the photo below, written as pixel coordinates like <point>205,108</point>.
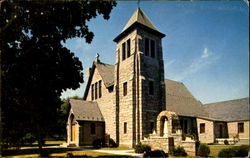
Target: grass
<point>215,149</point>
<point>32,150</point>
<point>118,148</point>
<point>62,152</point>
<point>58,152</point>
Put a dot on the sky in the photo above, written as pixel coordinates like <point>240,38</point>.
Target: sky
<point>206,45</point>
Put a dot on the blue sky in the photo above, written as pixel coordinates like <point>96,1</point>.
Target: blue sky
<point>206,45</point>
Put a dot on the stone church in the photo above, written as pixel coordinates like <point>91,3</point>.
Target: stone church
<point>124,100</point>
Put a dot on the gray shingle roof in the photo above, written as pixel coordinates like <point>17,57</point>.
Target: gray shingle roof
<point>107,73</point>
<point>140,17</point>
<point>232,110</point>
<point>181,101</point>
<point>86,110</point>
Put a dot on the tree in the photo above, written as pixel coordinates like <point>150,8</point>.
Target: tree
<point>63,116</point>
<point>35,66</point>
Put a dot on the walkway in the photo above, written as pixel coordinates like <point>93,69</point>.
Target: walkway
<point>120,152</point>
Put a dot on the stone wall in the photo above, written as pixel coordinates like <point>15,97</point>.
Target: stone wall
<point>208,135</point>
<point>82,131</point>
<point>158,143</point>
<point>106,104</point>
<point>138,109</point>
<point>126,102</point>
<point>85,136</point>
<point>233,130</point>
<point>189,146</point>
<point>150,70</point>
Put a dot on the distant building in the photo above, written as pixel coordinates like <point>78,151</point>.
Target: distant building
<point>124,100</point>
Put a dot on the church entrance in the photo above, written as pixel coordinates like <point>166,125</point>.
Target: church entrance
<point>73,128</point>
<point>73,138</point>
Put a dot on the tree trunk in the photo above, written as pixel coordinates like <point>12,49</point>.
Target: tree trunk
<point>40,142</point>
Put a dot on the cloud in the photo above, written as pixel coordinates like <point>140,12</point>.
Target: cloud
<point>205,53</point>
<point>206,58</point>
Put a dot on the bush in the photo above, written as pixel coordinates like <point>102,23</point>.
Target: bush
<point>203,150</point>
<point>45,153</point>
<point>236,151</point>
<point>226,142</point>
<point>142,148</point>
<point>156,153</point>
<point>112,143</point>
<point>70,155</point>
<point>98,143</point>
<point>29,138</point>
<point>179,151</point>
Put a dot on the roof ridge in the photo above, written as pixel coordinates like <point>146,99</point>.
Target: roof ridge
<point>227,101</point>
<point>173,80</point>
<point>104,63</point>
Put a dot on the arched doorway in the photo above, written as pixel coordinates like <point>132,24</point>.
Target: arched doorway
<point>166,122</point>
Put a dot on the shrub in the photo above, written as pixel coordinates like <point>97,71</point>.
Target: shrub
<point>29,138</point>
<point>98,143</point>
<point>242,150</point>
<point>228,152</point>
<point>226,142</point>
<point>156,153</point>
<point>203,150</point>
<point>142,148</point>
<point>44,153</point>
<point>179,151</point>
<point>236,151</point>
<point>70,155</point>
<point>112,143</point>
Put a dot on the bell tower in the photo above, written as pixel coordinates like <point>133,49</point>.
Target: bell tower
<point>139,79</point>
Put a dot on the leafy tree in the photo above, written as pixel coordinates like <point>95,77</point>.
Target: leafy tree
<point>63,115</point>
<point>35,66</point>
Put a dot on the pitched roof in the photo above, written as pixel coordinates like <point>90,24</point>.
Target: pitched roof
<point>181,101</point>
<point>138,19</point>
<point>232,110</point>
<point>107,73</point>
<point>86,110</point>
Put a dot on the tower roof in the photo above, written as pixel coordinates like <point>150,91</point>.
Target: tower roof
<point>138,19</point>
<point>141,18</point>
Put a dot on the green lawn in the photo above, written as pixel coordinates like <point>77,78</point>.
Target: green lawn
<point>215,149</point>
<point>59,152</point>
<point>119,148</point>
<point>62,152</point>
<point>32,150</point>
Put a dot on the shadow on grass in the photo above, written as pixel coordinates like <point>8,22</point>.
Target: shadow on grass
<point>106,156</point>
<point>34,151</point>
<point>58,150</point>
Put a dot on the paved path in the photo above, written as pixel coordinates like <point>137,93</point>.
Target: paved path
<point>120,152</point>
<point>117,152</point>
